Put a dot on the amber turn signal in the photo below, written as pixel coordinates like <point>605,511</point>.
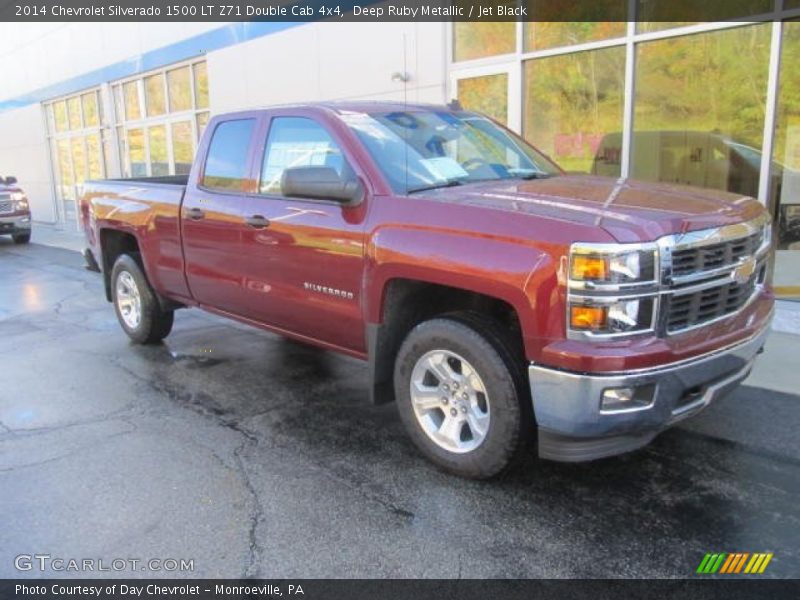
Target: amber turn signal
<point>590,318</point>
<point>588,268</point>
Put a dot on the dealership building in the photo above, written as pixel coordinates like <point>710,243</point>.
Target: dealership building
<point>712,104</point>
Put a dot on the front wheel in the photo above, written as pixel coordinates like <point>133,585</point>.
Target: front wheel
<point>458,393</point>
<point>136,304</point>
<point>21,238</point>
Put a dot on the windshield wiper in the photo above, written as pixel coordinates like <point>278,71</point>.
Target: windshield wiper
<point>533,175</point>
<point>436,186</point>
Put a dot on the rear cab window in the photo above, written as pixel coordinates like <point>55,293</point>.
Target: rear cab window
<point>227,162</point>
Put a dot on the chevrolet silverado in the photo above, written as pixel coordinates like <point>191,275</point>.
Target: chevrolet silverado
<point>495,298</point>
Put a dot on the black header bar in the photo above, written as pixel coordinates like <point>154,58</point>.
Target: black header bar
<point>374,11</point>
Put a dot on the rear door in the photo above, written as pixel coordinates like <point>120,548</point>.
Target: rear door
<point>304,256</point>
<point>213,215</point>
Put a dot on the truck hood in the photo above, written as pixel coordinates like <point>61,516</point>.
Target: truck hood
<point>630,211</point>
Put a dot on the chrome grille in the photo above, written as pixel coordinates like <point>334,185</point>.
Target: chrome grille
<point>6,206</point>
<point>692,309</point>
<point>714,256</point>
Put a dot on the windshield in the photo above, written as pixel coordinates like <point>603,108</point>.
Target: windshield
<point>420,150</point>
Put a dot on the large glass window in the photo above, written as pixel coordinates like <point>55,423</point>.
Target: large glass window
<point>154,95</point>
<point>784,192</point>
<point>182,146</point>
<point>74,126</point>
<point>133,109</point>
<point>657,16</point>
<point>699,109</point>
<point>478,40</point>
<point>226,164</point>
<point>161,140</point>
<point>297,142</point>
<point>180,89</point>
<point>573,109</point>
<point>200,84</point>
<point>487,94</point>
<point>159,155</point>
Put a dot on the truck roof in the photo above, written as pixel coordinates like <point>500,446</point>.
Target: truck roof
<point>341,107</point>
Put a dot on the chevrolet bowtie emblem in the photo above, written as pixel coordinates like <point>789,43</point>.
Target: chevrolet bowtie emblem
<point>744,271</point>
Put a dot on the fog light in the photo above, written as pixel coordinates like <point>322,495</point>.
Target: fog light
<point>627,398</point>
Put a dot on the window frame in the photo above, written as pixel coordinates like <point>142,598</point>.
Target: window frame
<point>259,165</point>
<point>251,153</point>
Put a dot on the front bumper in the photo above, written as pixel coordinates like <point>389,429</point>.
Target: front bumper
<point>572,426</point>
<point>15,223</point>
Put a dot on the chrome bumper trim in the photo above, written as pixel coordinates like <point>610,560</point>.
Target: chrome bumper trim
<point>567,404</point>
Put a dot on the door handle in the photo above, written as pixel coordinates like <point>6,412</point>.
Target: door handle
<point>195,214</point>
<point>257,222</point>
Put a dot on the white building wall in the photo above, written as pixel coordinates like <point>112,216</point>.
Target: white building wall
<point>36,55</point>
<point>24,153</point>
<point>330,61</point>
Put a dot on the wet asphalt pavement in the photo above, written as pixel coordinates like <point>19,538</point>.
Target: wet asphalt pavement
<point>257,456</point>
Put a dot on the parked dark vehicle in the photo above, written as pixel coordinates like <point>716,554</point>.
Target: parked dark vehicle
<point>15,213</point>
<point>492,295</point>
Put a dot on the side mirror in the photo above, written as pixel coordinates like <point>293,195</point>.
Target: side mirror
<point>323,183</point>
<point>10,180</point>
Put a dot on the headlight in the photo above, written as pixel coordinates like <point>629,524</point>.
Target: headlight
<point>597,265</point>
<point>20,201</point>
<point>613,317</point>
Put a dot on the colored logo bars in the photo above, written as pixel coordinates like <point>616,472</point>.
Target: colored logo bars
<point>738,562</point>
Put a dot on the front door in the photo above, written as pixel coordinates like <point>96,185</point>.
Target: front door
<point>305,257</point>
<point>213,218</point>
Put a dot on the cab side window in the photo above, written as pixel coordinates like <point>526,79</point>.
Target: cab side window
<point>226,163</point>
<point>298,142</point>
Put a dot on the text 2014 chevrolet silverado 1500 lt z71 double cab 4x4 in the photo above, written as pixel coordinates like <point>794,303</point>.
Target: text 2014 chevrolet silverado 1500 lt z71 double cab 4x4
<point>15,213</point>
<point>488,290</point>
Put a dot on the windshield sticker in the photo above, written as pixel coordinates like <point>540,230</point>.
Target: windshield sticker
<point>444,167</point>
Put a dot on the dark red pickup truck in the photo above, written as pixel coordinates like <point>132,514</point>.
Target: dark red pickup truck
<point>492,295</point>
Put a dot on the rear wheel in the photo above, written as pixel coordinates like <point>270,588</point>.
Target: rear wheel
<point>21,238</point>
<point>136,304</point>
<point>458,394</point>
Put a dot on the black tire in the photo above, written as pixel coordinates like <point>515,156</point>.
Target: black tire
<point>485,347</point>
<point>154,323</point>
<point>21,238</point>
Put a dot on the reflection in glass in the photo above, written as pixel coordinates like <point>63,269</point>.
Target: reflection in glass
<point>91,116</point>
<point>481,39</point>
<point>487,94</point>
<point>78,159</point>
<point>182,147</point>
<point>226,164</point>
<point>60,115</point>
<point>136,153</point>
<point>568,22</point>
<point>159,156</point>
<point>572,104</point>
<point>699,109</point>
<point>132,108</point>
<point>94,156</point>
<point>119,104</point>
<point>154,95</point>
<point>785,189</point>
<point>67,181</point>
<point>201,85</point>
<point>74,111</point>
<point>202,121</point>
<point>126,171</point>
<point>657,16</point>
<point>180,89</point>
